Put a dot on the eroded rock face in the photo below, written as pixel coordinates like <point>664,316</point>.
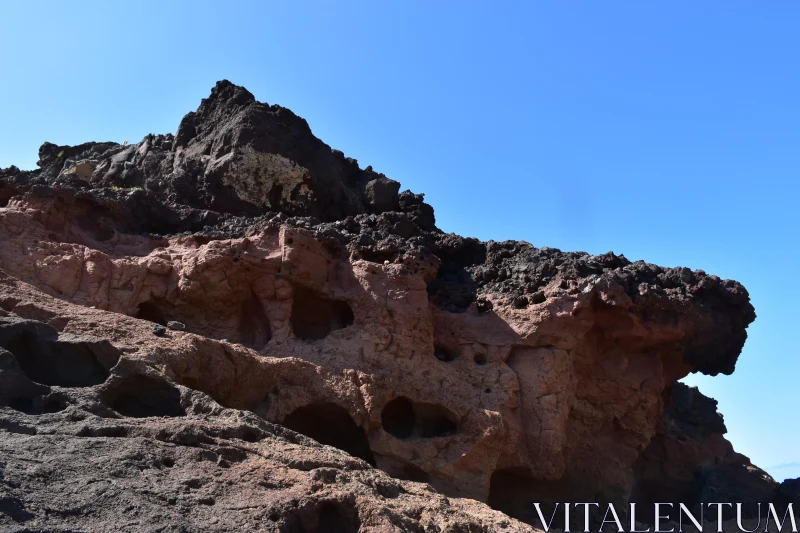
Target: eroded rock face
<point>312,291</point>
<point>137,452</point>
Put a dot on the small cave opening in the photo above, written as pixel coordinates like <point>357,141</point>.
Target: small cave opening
<point>250,436</point>
<point>445,353</point>
<point>330,424</point>
<point>398,418</point>
<point>434,420</point>
<point>314,316</point>
<point>143,397</point>
<point>6,193</point>
<point>151,312</point>
<point>403,418</point>
<point>254,326</point>
<point>52,405</point>
<point>57,363</point>
<point>335,518</point>
<point>95,221</point>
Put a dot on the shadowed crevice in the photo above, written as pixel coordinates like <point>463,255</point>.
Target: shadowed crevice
<point>330,424</point>
<point>142,397</point>
<point>403,418</point>
<point>61,363</point>
<point>315,316</point>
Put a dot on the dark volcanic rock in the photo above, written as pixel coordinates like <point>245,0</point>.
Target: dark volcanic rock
<point>788,492</point>
<point>689,461</point>
<point>234,156</point>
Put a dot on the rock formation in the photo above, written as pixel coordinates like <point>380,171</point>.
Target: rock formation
<point>317,296</point>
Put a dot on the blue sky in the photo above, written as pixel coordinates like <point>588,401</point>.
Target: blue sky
<point>667,131</point>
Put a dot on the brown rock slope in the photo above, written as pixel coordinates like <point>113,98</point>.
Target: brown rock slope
<point>317,296</point>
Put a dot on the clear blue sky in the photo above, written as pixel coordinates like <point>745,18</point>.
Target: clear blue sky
<point>667,131</point>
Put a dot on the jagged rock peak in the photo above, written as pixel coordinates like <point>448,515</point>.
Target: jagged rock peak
<point>237,156</point>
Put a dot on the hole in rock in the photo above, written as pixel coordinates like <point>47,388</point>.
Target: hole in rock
<point>480,359</point>
<point>378,256</point>
<point>275,197</point>
<point>398,418</point>
<point>150,312</point>
<point>53,406</point>
<point>57,363</point>
<point>445,353</point>
<point>142,397</point>
<point>403,418</point>
<point>315,317</point>
<point>329,424</point>
<point>254,327</point>
<point>434,420</point>
<point>333,518</point>
<point>5,195</point>
<point>37,405</point>
<point>94,221</point>
<point>250,436</point>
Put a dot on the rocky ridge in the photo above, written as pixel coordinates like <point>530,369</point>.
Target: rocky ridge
<point>316,295</point>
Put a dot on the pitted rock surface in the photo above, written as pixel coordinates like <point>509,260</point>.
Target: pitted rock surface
<point>136,452</point>
<point>316,295</point>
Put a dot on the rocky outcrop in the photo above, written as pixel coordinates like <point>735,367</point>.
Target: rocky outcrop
<point>690,461</point>
<point>94,441</point>
<point>316,295</point>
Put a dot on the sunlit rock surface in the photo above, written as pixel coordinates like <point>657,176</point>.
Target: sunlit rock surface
<point>316,295</point>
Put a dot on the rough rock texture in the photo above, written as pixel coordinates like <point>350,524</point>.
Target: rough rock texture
<point>316,295</point>
<point>689,460</point>
<point>109,444</point>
